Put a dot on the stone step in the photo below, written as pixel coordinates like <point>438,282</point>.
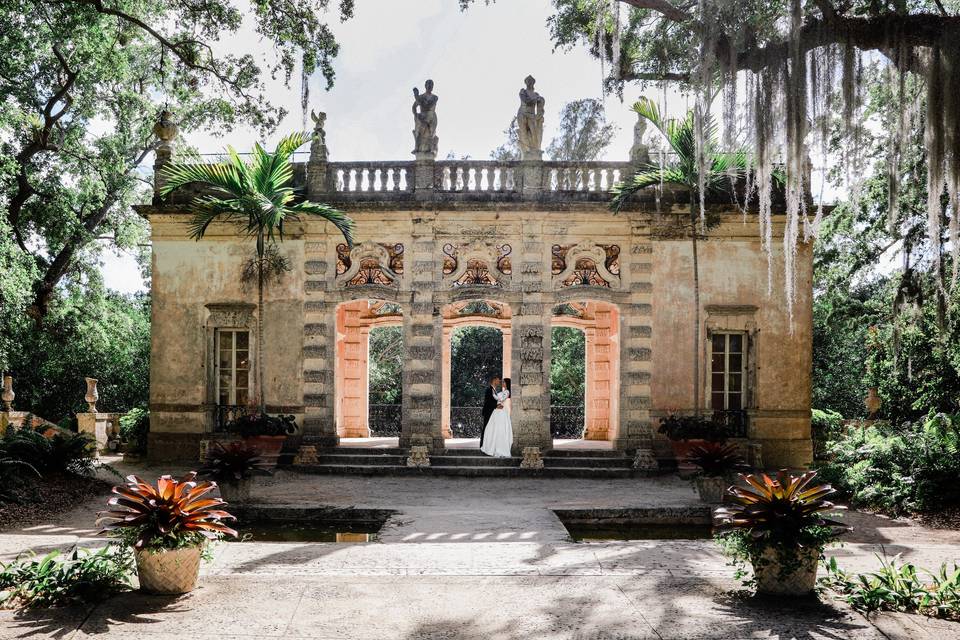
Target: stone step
<point>466,471</point>
<point>384,459</point>
<point>473,461</point>
<point>445,460</point>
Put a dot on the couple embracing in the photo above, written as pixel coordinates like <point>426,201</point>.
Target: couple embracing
<point>497,435</point>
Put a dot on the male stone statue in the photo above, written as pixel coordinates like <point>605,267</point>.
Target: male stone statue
<point>530,121</point>
<point>318,145</point>
<point>639,152</point>
<point>425,137</point>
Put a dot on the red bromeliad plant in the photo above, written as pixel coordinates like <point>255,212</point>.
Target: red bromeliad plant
<point>715,459</point>
<point>233,463</point>
<point>174,514</point>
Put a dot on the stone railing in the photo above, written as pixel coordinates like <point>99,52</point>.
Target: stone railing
<point>466,176</point>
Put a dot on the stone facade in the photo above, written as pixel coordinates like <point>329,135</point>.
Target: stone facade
<point>536,238</point>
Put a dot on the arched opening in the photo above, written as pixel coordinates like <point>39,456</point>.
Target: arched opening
<point>476,347</point>
<point>369,360</point>
<point>585,371</point>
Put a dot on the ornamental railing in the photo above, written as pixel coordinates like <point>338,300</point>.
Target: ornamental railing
<point>567,422</point>
<point>385,420</point>
<point>733,423</point>
<point>466,422</point>
<point>226,414</point>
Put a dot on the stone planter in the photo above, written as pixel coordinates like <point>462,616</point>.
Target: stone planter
<point>236,492</point>
<point>269,446</point>
<point>168,572</point>
<point>799,582</point>
<point>711,489</point>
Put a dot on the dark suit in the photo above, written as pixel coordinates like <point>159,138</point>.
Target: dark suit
<point>489,404</point>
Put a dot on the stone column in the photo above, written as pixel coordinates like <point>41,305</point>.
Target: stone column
<point>319,350</point>
<point>507,347</point>
<point>422,343</point>
<point>530,344</point>
<point>351,371</point>
<point>424,168</point>
<point>445,375</point>
<point>636,347</point>
<point>533,178</point>
<point>602,355</point>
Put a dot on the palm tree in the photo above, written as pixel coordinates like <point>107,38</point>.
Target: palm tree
<point>721,171</point>
<point>257,195</point>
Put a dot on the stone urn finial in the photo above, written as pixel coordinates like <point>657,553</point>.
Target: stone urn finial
<point>166,130</point>
<point>8,395</point>
<point>92,394</point>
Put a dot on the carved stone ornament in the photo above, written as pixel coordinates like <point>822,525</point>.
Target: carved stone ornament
<point>532,459</point>
<point>587,264</point>
<point>306,454</point>
<point>644,461</point>
<point>92,395</point>
<point>369,263</point>
<point>231,314</point>
<point>8,395</point>
<point>477,264</point>
<point>419,457</point>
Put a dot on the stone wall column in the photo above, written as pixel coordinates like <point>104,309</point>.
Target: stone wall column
<point>351,371</point>
<point>445,376</point>
<point>319,349</point>
<point>636,345</point>
<point>602,355</point>
<point>423,345</point>
<point>507,349</point>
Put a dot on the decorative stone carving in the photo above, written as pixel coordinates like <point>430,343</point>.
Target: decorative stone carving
<point>166,130</point>
<point>755,455</point>
<point>228,314</point>
<point>8,395</point>
<point>639,152</point>
<point>530,121</point>
<point>532,459</point>
<point>425,140</point>
<point>419,457</point>
<point>586,264</point>
<point>92,395</point>
<point>644,461</point>
<point>306,454</point>
<point>369,263</point>
<point>478,263</point>
<point>318,143</point>
<point>872,402</point>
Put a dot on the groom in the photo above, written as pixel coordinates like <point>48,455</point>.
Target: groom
<point>489,404</point>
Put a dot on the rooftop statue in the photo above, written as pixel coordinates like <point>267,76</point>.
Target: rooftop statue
<point>318,145</point>
<point>425,137</point>
<point>639,152</point>
<point>530,121</point>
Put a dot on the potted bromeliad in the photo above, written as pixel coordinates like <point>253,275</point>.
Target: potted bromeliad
<point>777,525</point>
<point>232,467</point>
<point>715,463</point>
<point>168,526</point>
<point>265,432</point>
<point>686,432</point>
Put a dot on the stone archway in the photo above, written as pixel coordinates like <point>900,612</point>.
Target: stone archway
<point>600,323</point>
<point>479,312</point>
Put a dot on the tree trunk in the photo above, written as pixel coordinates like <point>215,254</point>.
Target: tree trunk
<point>260,314</point>
<point>696,309</point>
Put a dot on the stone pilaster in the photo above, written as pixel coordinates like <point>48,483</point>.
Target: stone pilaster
<point>423,345</point>
<point>319,348</point>
<point>424,179</point>
<point>636,344</point>
<point>532,176</point>
<point>530,345</point>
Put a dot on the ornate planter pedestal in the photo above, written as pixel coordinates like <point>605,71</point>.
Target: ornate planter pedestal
<point>8,395</point>
<point>236,492</point>
<point>711,489</point>
<point>799,582</point>
<point>168,572</point>
<point>92,395</point>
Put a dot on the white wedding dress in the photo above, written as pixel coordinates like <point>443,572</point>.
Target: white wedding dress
<point>498,436</point>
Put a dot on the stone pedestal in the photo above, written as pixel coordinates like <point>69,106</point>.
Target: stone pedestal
<point>532,177</point>
<point>97,425</point>
<point>318,181</point>
<point>423,175</point>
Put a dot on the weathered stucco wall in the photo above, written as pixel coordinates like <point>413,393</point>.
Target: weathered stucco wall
<point>196,285</point>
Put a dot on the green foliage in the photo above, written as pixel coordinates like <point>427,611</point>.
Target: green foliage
<point>57,580</point>
<point>134,428</point>
<point>567,366</point>
<point>476,356</point>
<point>899,586</point>
<point>386,365</point>
<point>715,459</point>
<point>826,426</point>
<point>63,452</point>
<point>899,469</point>
<point>234,462</point>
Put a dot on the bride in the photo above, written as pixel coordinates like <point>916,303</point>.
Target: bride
<point>498,436</point>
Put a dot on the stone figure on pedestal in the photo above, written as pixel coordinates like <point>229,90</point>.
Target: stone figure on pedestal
<point>425,137</point>
<point>318,144</point>
<point>530,121</point>
<point>639,152</point>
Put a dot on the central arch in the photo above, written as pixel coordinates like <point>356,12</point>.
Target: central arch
<point>457,316</point>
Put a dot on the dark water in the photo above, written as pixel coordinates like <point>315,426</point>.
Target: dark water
<point>308,531</point>
<point>600,531</point>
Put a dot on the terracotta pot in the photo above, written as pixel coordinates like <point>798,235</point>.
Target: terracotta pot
<point>799,582</point>
<point>168,572</point>
<point>711,489</point>
<point>269,446</point>
<point>235,492</point>
<point>681,449</point>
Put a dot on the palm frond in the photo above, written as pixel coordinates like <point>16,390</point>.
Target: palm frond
<point>336,217</point>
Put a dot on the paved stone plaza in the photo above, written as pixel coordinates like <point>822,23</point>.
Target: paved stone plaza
<point>475,558</point>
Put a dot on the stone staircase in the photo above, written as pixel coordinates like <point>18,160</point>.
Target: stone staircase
<point>569,463</point>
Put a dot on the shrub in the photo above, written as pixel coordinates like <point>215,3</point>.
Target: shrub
<point>826,426</point>
<point>261,424</point>
<point>899,469</point>
<point>174,514</point>
<point>62,452</point>
<point>134,427</point>
<point>677,427</point>
<point>81,576</point>
<point>715,459</point>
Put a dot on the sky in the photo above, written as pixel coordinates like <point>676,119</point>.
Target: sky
<point>478,60</point>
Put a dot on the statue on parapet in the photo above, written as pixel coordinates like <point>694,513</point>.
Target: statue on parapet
<point>530,121</point>
<point>425,140</point>
<point>318,141</point>
<point>639,152</point>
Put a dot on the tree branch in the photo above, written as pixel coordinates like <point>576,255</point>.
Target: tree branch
<point>662,7</point>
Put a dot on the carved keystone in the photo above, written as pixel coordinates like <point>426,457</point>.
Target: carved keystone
<point>306,454</point>
<point>418,457</point>
<point>531,458</point>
